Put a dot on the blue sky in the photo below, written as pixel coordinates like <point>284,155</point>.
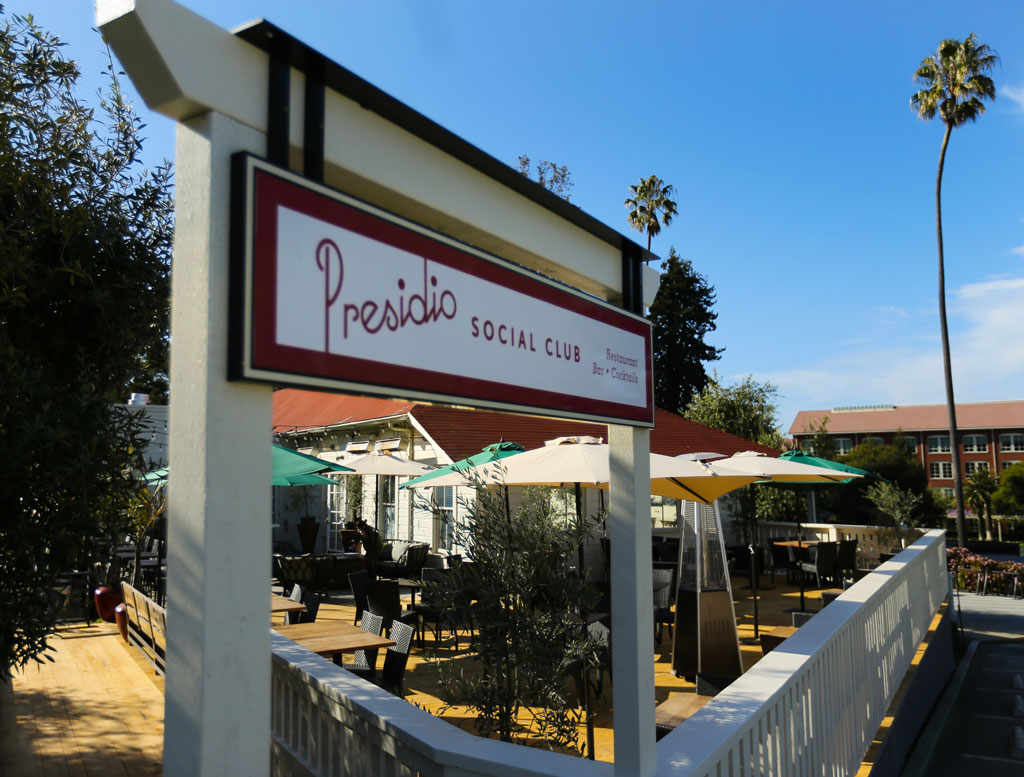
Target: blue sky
<point>805,182</point>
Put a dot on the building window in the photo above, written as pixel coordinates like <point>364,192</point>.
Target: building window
<point>909,443</point>
<point>336,508</point>
<point>970,467</point>
<point>874,441</point>
<point>941,470</point>
<point>975,443</point>
<point>444,509</point>
<point>663,512</point>
<point>946,492</point>
<point>938,443</point>
<point>1008,464</point>
<point>563,504</point>
<point>387,524</point>
<point>843,445</point>
<point>1011,442</point>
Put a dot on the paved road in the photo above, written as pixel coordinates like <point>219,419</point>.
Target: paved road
<point>982,711</point>
<point>989,618</point>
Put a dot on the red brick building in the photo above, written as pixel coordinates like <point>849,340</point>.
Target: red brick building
<point>991,433</point>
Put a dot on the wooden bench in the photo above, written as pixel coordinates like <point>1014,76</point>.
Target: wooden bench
<point>147,625</point>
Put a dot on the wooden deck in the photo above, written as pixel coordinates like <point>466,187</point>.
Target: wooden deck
<point>98,708</point>
<point>95,710</point>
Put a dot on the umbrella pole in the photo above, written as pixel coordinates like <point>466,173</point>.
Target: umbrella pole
<point>579,526</point>
<point>799,561</point>
<point>753,584</point>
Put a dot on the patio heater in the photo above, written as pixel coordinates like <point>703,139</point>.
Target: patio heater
<point>705,637</point>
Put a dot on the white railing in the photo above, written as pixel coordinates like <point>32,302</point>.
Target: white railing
<point>870,539</point>
<point>326,721</point>
<point>811,706</point>
<point>814,704</point>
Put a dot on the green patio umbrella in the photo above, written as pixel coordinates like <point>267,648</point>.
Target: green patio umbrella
<point>288,468</point>
<point>291,468</point>
<point>498,450</point>
<point>816,461</point>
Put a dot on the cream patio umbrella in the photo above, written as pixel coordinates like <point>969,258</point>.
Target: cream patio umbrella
<point>384,463</point>
<point>583,461</point>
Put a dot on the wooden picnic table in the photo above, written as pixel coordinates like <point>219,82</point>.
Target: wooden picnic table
<point>284,604</point>
<point>328,638</point>
<point>678,707</point>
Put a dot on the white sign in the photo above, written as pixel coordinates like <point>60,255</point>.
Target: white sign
<point>339,294</point>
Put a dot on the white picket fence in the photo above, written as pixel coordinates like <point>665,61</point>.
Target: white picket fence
<point>812,706</point>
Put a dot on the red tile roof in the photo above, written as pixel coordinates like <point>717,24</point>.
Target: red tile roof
<point>911,418</point>
<point>461,432</point>
<point>296,409</point>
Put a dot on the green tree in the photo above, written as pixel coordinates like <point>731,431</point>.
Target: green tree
<point>746,409</point>
<point>953,84</point>
<point>895,464</point>
<point>84,258</point>
<point>650,206</point>
<point>978,491</point>
<point>555,178</point>
<point>821,443</point>
<point>895,505</point>
<point>1009,497</point>
<point>525,603</point>
<point>681,317</point>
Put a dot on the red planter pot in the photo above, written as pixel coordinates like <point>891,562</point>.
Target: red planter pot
<point>107,600</point>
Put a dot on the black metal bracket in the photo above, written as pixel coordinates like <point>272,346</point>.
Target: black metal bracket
<point>278,101</point>
<point>313,121</point>
<point>632,279</point>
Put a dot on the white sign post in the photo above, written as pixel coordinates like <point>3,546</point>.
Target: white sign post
<point>369,145</point>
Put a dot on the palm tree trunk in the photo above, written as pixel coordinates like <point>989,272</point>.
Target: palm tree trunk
<point>947,367</point>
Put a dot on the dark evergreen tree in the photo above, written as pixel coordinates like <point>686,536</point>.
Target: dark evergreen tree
<point>84,262</point>
<point>681,317</point>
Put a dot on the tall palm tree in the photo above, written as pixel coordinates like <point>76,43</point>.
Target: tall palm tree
<point>954,85</point>
<point>978,492</point>
<point>650,206</point>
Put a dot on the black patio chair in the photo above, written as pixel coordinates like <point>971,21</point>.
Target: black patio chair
<point>358,581</point>
<point>312,602</point>
<point>779,558</point>
<point>392,674</point>
<point>431,607</point>
<point>385,600</point>
<point>296,596</point>
<point>846,560</point>
<point>364,660</point>
<point>709,684</point>
<point>823,565</point>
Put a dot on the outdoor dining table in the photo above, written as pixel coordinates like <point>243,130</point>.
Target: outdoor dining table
<point>796,543</point>
<point>284,604</point>
<point>328,638</point>
<point>413,585</point>
<point>679,707</point>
